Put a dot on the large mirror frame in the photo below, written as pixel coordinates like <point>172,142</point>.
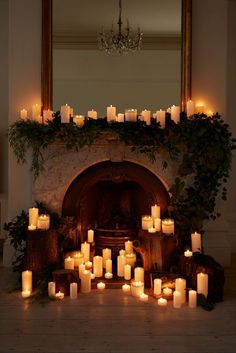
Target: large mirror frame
<point>47,49</point>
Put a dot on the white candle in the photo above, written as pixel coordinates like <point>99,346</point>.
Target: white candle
<point>175,113</point>
<point>190,107</point>
<point>106,254</point>
<point>139,274</point>
<point>47,115</point>
<point>177,299</point>
<point>127,272</point>
<point>157,286</point>
<point>85,282</point>
<point>137,288</point>
<point>157,224</point>
<point>59,295</point>
<point>196,242</point>
<point>78,259</point>
<point>109,265</point>
<point>65,113</point>
<point>188,253</point>
<point>23,114</point>
<point>168,226</point>
<point>33,216</point>
<point>156,211</point>
<point>26,293</point>
<point>79,120</point>
<point>120,118</point>
<point>73,290</point>
<point>92,114</point>
<point>85,249</point>
<point>130,259</point>
<point>43,222</point>
<point>167,291</point>
<point>92,275</point>
<point>192,298</point>
<point>128,247</point>
<point>147,222</point>
<point>27,280</point>
<point>88,265</point>
<point>101,286</point>
<point>180,286</point>
<point>90,236</point>
<point>162,302</point>
<point>111,113</point>
<point>146,116</point>
<point>121,261</point>
<point>202,283</point>
<point>126,288</point>
<point>51,289</point>
<point>31,227</point>
<point>81,270</point>
<point>122,252</point>
<point>152,230</point>
<point>36,112</point>
<point>131,115</point>
<point>98,266</point>
<point>161,118</point>
<point>69,263</point>
<point>143,297</point>
<point>108,275</point>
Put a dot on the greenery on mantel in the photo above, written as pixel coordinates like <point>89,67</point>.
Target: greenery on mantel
<point>202,146</point>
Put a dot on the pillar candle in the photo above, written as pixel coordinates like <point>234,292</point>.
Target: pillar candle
<point>177,302</point>
<point>85,249</point>
<point>27,280</point>
<point>131,115</point>
<point>78,259</point>
<point>202,283</point>
<point>192,299</point>
<point>128,247</point>
<point>122,252</point>
<point>168,226</point>
<point>111,113</point>
<point>51,289</point>
<point>23,114</point>
<point>127,272</point>
<point>157,224</point>
<point>109,265</point>
<point>161,118</point>
<point>92,114</point>
<point>146,115</point>
<point>81,270</point>
<point>175,113</point>
<point>79,120</point>
<point>120,118</point>
<point>180,286</point>
<point>65,113</point>
<point>73,290</point>
<point>130,259</point>
<point>36,112</point>
<point>69,263</point>
<point>139,274</point>
<point>147,222</point>
<point>137,288</point>
<point>157,286</point>
<point>33,216</point>
<point>85,282</point>
<point>106,254</point>
<point>190,107</point>
<point>47,115</point>
<point>156,211</point>
<point>98,266</point>
<point>121,261</point>
<point>162,302</point>
<point>90,236</point>
<point>196,242</point>
<point>43,222</point>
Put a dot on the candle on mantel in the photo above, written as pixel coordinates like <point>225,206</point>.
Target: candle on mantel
<point>85,249</point>
<point>59,295</point>
<point>109,265</point>
<point>127,272</point>
<point>85,286</point>
<point>143,297</point>
<point>98,266</point>
<point>130,259</point>
<point>79,120</point>
<point>175,113</point>
<point>51,289</point>
<point>78,259</point>
<point>137,288</point>
<point>190,107</point>
<point>26,293</point>
<point>180,286</point>
<point>167,291</point>
<point>33,216</point>
<point>147,222</point>
<point>101,286</point>
<point>188,253</point>
<point>65,113</point>
<point>47,115</point>
<point>111,113</point>
<point>73,290</point>
<point>92,114</point>
<point>36,112</point>
<point>121,261</point>
<point>156,211</point>
<point>27,280</point>
<point>152,230</point>
<point>157,224</point>
<point>192,298</point>
<point>157,286</point>
<point>90,236</point>
<point>108,275</point>
<point>120,118</point>
<point>146,116</point>
<point>202,283</point>
<point>168,226</point>
<point>139,274</point>
<point>196,242</point>
<point>126,288</point>
<point>161,118</point>
<point>128,247</point>
<point>162,302</point>
<point>177,301</point>
<point>131,115</point>
<point>106,254</point>
<point>23,114</point>
<point>31,227</point>
<point>69,263</point>
<point>43,222</point>
<point>81,270</point>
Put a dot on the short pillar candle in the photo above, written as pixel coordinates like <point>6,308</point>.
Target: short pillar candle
<point>86,282</point>
<point>69,263</point>
<point>27,280</point>
<point>78,259</point>
<point>73,290</point>
<point>139,274</point>
<point>192,298</point>
<point>196,242</point>
<point>157,286</point>
<point>147,222</point>
<point>168,226</point>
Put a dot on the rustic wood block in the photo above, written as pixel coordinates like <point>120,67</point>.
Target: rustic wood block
<point>63,278</point>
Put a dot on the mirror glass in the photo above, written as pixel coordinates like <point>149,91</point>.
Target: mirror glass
<point>87,78</point>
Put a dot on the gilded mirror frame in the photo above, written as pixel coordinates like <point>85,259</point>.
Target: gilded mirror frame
<point>47,48</point>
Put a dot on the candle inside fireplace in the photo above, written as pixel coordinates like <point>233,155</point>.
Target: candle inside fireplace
<point>143,297</point>
<point>59,295</point>
<point>121,261</point>
<point>122,252</point>
<point>130,259</point>
<point>128,247</point>
<point>31,227</point>
<point>85,282</point>
<point>127,272</point>
<point>168,226</point>
<point>98,266</point>
<point>152,230</point>
<point>147,222</point>
<point>81,270</point>
<point>108,275</point>
<point>33,216</point>
<point>85,249</point>
<point>44,222</point>
<point>188,253</point>
<point>26,293</point>
<point>90,236</point>
<point>69,263</point>
<point>167,291</point>
<point>157,286</point>
<point>196,242</point>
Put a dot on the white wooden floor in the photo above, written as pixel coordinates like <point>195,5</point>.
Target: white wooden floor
<point>114,322</point>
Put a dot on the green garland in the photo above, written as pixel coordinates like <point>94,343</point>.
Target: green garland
<point>202,145</point>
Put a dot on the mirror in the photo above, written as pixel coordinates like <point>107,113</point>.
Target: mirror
<point>84,77</point>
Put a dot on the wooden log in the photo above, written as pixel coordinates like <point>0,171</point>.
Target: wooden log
<point>63,278</point>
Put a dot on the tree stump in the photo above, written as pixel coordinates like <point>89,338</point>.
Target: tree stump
<point>63,279</point>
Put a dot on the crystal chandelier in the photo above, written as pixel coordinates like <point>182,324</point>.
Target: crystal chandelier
<point>121,42</point>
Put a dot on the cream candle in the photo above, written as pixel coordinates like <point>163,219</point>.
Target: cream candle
<point>47,115</point>
<point>85,282</point>
<point>120,118</point>
<point>31,227</point>
<point>177,299</point>
<point>121,261</point>
<point>26,293</point>
<point>81,270</point>
<point>188,253</point>
<point>106,254</point>
<point>130,259</point>
<point>43,222</point>
<point>131,115</point>
<point>168,226</point>
<point>167,291</point>
<point>69,263</point>
<point>190,107</point>
<point>175,113</point>
<point>192,298</point>
<point>139,274</point>
<point>23,114</point>
<point>73,290</point>
<point>122,252</point>
<point>202,283</point>
<point>127,272</point>
<point>146,116</point>
<point>36,112</point>
<point>51,289</point>
<point>137,288</point>
<point>147,222</point>
<point>128,247</point>
<point>196,242</point>
<point>79,120</point>
<point>90,236</point>
<point>111,113</point>
<point>180,286</point>
<point>101,286</point>
<point>98,266</point>
<point>33,216</point>
<point>157,286</point>
<point>126,288</point>
<point>152,230</point>
<point>143,297</point>
<point>78,259</point>
<point>65,113</point>
<point>162,302</point>
<point>27,280</point>
<point>157,224</point>
<point>109,265</point>
<point>156,211</point>
<point>161,118</point>
<point>59,295</point>
<point>92,114</point>
<point>85,249</point>
<point>108,275</point>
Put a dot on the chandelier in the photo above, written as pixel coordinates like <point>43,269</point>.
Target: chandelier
<point>121,42</point>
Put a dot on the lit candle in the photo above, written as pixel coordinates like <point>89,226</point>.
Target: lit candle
<point>79,120</point>
<point>69,263</point>
<point>139,274</point>
<point>101,286</point>
<point>122,252</point>
<point>168,226</point>
<point>162,302</point>
<point>78,259</point>
<point>161,118</point>
<point>196,242</point>
<point>111,113</point>
<point>143,297</point>
<point>59,295</point>
<point>202,283</point>
<point>27,280</point>
<point>121,261</point>
<point>156,211</point>
<point>109,265</point>
<point>146,116</point>
<point>65,113</point>
<point>51,289</point>
<point>157,286</point>
<point>81,270</point>
<point>130,259</point>
<point>128,247</point>
<point>33,216</point>
<point>131,115</point>
<point>43,222</point>
<point>106,254</point>
<point>98,266</point>
<point>190,107</point>
<point>108,275</point>
<point>152,230</point>
<point>23,114</point>
<point>85,282</point>
<point>120,118</point>
<point>177,301</point>
<point>26,293</point>
<point>192,298</point>
<point>167,291</point>
<point>180,286</point>
<point>47,115</point>
<point>36,112</point>
<point>188,253</point>
<point>92,275</point>
<point>175,113</point>
<point>88,265</point>
<point>127,272</point>
<point>200,107</point>
<point>126,288</point>
<point>85,249</point>
<point>137,288</point>
<point>31,227</point>
<point>157,224</point>
<point>92,114</point>
<point>147,222</point>
<point>90,236</point>
<point>73,290</point>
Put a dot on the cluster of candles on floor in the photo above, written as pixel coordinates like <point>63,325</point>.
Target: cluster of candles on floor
<point>37,221</point>
<point>130,115</point>
<point>153,223</point>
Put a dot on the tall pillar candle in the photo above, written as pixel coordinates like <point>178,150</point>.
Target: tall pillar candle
<point>78,259</point>
<point>127,272</point>
<point>131,115</point>
<point>81,270</point>
<point>27,281</point>
<point>111,113</point>
<point>36,112</point>
<point>120,118</point>
<point>85,282</point>
<point>33,216</point>
<point>196,242</point>
<point>43,222</point>
<point>147,222</point>
<point>98,266</point>
<point>161,118</point>
<point>175,113</point>
<point>156,211</point>
<point>157,286</point>
<point>190,107</point>
<point>73,290</point>
<point>177,299</point>
<point>139,274</point>
<point>69,263</point>
<point>90,236</point>
<point>192,299</point>
<point>202,283</point>
<point>51,289</point>
<point>79,120</point>
<point>130,259</point>
<point>85,249</point>
<point>129,247</point>
<point>65,113</point>
<point>121,261</point>
<point>109,265</point>
<point>180,286</point>
<point>106,254</point>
